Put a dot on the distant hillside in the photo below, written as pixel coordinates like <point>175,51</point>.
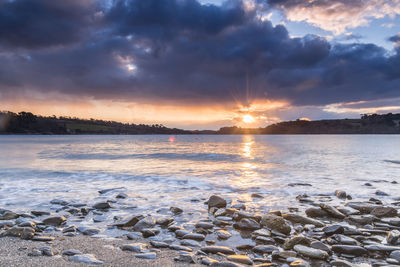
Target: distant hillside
<point>28,123</point>
<point>368,124</point>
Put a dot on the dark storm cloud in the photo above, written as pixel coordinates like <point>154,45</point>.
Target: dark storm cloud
<point>42,23</point>
<point>182,51</point>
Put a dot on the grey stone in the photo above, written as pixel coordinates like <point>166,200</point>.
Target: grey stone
<point>147,222</point>
<point>102,205</point>
<point>333,229</point>
<point>158,244</point>
<point>276,223</point>
<point>295,218</point>
<point>71,252</point>
<point>247,224</point>
<point>216,201</point>
<point>85,258</point>
<point>149,256</point>
<point>242,259</point>
<point>218,249</point>
<point>350,250</point>
<point>55,221</point>
<point>332,211</point>
<point>311,252</point>
<point>263,249</point>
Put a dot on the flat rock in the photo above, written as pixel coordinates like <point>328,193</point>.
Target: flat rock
<point>147,222</point>
<point>185,257</point>
<point>193,236</point>
<point>176,210</point>
<point>22,232</point>
<point>102,205</point>
<point>59,202</point>
<point>71,252</point>
<point>247,224</point>
<point>85,258</point>
<point>381,248</point>
<point>190,243</point>
<point>88,231</point>
<point>149,256</point>
<point>296,240</point>
<point>178,247</point>
<point>392,237</point>
<point>158,244</point>
<point>321,246</point>
<point>130,222</point>
<point>165,221</point>
<point>204,225</point>
<point>384,212</point>
<point>332,211</point>
<point>350,250</point>
<point>225,264</point>
<point>55,221</point>
<point>39,213</point>
<point>47,251</point>
<point>276,223</point>
<point>264,249</point>
<point>135,247</point>
<point>314,212</point>
<point>218,249</point>
<point>311,252</point>
<point>333,229</point>
<point>41,238</point>
<point>223,234</point>
<point>363,207</point>
<point>295,218</point>
<point>395,255</point>
<point>240,259</point>
<point>341,263</point>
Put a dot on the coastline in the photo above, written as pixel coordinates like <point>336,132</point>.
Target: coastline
<point>323,230</point>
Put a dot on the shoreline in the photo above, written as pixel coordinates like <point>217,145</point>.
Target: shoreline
<point>323,230</point>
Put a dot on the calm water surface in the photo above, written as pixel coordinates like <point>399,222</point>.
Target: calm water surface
<point>162,171</point>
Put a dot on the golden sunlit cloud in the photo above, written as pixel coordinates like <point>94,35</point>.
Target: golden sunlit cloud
<point>248,118</point>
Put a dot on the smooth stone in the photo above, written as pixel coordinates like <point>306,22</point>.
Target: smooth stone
<point>296,240</point>
<point>55,221</point>
<point>104,191</point>
<point>38,213</point>
<point>363,207</point>
<point>102,205</point>
<point>240,259</point>
<point>121,195</point>
<point>204,225</point>
<point>198,237</point>
<point>216,201</point>
<point>88,231</point>
<point>247,224</point>
<point>27,224</point>
<point>85,258</point>
<point>69,229</point>
<point>276,223</point>
<point>340,263</point>
<point>299,263</point>
<point>381,193</point>
<point>164,221</point>
<point>185,257</point>
<point>149,256</point>
<point>42,238</point>
<point>351,250</point>
<point>47,251</point>
<point>362,219</point>
<point>341,194</point>
<point>321,246</point>
<point>381,248</point>
<point>218,249</point>
<point>35,253</point>
<point>224,264</point>
<point>344,240</point>
<point>176,210</point>
<point>190,243</point>
<point>99,219</point>
<point>223,234</point>
<point>262,232</point>
<point>130,222</point>
<point>384,212</point>
<point>316,212</point>
<point>177,247</point>
<point>71,252</point>
<point>332,211</point>
<point>159,244</point>
<point>208,261</point>
<point>395,255</point>
<point>393,236</point>
<point>150,232</point>
<point>147,222</point>
<point>263,249</point>
<point>311,252</point>
<point>333,229</point>
<point>22,232</point>
<point>59,202</point>
<point>181,233</point>
<point>135,247</point>
<point>295,218</point>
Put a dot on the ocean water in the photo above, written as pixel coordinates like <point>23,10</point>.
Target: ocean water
<point>159,171</point>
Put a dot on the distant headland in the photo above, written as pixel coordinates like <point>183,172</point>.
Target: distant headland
<point>28,123</point>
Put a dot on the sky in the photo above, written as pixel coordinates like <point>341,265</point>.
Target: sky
<point>200,64</point>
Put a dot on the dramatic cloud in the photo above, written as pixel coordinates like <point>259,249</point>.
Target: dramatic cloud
<point>337,15</point>
<point>180,51</point>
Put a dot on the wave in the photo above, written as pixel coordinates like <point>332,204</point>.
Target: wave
<point>392,161</point>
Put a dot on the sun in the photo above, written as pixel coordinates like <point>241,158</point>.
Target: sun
<point>248,118</point>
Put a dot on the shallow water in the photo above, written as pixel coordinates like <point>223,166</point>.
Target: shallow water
<point>162,171</point>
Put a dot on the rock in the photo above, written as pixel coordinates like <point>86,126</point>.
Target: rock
<point>262,232</point>
<point>198,237</point>
<point>299,263</point>
<point>316,212</point>
<point>247,224</point>
<point>295,218</point>
<point>240,259</point>
<point>311,252</point>
<point>344,240</point>
<point>147,232</point>
<point>296,240</point>
<point>216,201</point>
<point>190,243</point>
<point>333,229</point>
<point>332,211</point>
<point>149,256</point>
<point>158,244</point>
<point>276,223</point>
<point>85,258</point>
<point>391,221</point>
<point>341,194</point>
<point>130,222</point>
<point>43,238</point>
<point>135,247</point>
<point>104,191</point>
<point>22,232</point>
<point>395,255</point>
<point>176,210</point>
<point>363,207</point>
<point>381,248</point>
<point>204,225</point>
<point>69,229</point>
<point>181,233</point>
<point>8,215</point>
<point>341,263</point>
<point>59,202</point>
<point>225,264</point>
<point>381,193</point>
<point>263,249</point>
<point>218,249</point>
<point>97,219</point>
<point>102,205</point>
<point>88,231</point>
<point>384,212</point>
<point>55,221</point>
<point>71,252</point>
<point>185,257</point>
<point>223,234</point>
<point>350,250</point>
<point>47,251</point>
<point>255,195</point>
<point>393,236</point>
<point>27,224</point>
<point>321,246</point>
<point>177,247</point>
<point>165,221</point>
<point>121,195</point>
<point>35,253</point>
<point>362,219</point>
<point>147,222</point>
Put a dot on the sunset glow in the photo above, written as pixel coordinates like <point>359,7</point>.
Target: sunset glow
<point>248,118</point>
